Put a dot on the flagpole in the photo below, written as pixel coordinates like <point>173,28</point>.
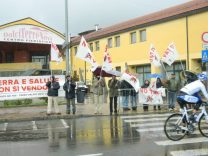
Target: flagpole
<point>66,37</point>
<point>164,69</point>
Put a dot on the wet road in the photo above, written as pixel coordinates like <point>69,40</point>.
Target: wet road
<point>97,136</point>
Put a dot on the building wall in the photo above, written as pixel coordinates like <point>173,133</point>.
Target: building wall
<point>160,35</point>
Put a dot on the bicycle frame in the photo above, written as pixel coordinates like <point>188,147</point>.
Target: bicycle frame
<point>203,112</point>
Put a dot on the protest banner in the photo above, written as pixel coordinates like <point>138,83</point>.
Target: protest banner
<point>151,96</point>
<point>22,87</point>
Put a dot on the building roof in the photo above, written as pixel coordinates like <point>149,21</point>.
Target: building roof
<point>179,11</point>
<point>31,21</point>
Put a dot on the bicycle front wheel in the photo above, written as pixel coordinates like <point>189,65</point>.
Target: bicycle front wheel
<point>203,126</point>
<point>173,127</point>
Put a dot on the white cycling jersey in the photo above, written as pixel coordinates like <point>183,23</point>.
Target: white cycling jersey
<point>195,87</point>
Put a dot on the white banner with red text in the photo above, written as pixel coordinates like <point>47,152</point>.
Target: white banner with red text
<point>151,96</point>
<point>22,87</point>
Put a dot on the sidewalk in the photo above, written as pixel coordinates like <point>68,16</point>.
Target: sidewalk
<point>85,109</point>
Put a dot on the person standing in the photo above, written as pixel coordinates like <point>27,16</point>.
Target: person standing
<point>69,87</point>
<point>133,98</point>
<point>113,85</point>
<point>173,86</point>
<point>125,93</point>
<point>158,85</point>
<point>145,85</point>
<point>53,87</point>
<point>98,85</point>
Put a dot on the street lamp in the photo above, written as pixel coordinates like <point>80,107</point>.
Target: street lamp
<point>66,38</point>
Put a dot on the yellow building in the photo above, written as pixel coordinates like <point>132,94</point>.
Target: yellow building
<point>129,41</point>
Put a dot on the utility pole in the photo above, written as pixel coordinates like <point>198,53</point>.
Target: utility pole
<point>66,38</point>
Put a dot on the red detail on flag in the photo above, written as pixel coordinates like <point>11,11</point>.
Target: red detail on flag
<point>133,79</point>
<point>84,44</point>
<point>54,46</point>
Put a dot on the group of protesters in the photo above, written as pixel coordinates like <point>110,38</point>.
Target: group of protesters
<point>129,97</point>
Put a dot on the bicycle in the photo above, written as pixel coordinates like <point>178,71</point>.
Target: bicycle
<point>178,125</point>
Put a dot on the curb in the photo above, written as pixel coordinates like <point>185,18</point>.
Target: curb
<point>65,116</point>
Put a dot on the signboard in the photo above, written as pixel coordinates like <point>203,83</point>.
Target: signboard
<point>205,37</point>
<point>29,34</point>
<point>204,55</point>
<point>27,87</point>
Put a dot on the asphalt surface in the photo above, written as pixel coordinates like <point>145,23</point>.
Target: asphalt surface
<point>97,135</point>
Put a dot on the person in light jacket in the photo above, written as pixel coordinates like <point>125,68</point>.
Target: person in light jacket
<point>98,85</point>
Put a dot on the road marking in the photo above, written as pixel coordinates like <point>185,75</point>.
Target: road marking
<point>142,120</point>
<point>64,123</point>
<point>5,126</point>
<point>148,124</point>
<point>98,154</point>
<point>150,129</point>
<point>34,125</point>
<point>142,116</point>
<point>183,141</point>
<point>195,152</point>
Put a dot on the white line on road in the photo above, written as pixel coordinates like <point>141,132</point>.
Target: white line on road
<point>148,124</point>
<point>98,154</point>
<point>149,119</point>
<point>195,152</point>
<point>64,123</point>
<point>34,125</point>
<point>183,141</point>
<point>142,116</point>
<point>5,126</point>
<point>150,129</point>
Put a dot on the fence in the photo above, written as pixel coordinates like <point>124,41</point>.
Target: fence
<point>126,99</point>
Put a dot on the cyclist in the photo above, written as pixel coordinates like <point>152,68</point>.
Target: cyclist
<point>189,94</point>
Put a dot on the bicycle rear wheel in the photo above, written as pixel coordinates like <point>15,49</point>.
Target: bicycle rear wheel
<point>173,127</point>
<point>203,126</point>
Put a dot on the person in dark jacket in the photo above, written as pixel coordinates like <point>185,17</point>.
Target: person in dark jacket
<point>69,87</point>
<point>145,85</point>
<point>158,85</point>
<point>113,85</point>
<point>53,88</point>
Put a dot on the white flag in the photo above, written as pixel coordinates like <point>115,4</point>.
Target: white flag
<point>55,53</point>
<point>85,54</point>
<point>170,55</point>
<point>154,56</point>
<point>131,79</point>
<point>107,64</point>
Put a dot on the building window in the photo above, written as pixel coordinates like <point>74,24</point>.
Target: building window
<point>143,36</point>
<point>75,50</point>
<point>176,68</point>
<point>143,71</point>
<point>133,37</point>
<point>110,43</point>
<point>10,57</point>
<point>117,41</point>
<point>97,46</point>
<point>91,47</point>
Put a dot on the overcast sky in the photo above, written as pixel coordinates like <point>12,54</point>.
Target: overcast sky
<point>83,14</point>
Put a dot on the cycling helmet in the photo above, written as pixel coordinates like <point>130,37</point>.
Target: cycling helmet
<point>202,76</point>
<point>189,76</point>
